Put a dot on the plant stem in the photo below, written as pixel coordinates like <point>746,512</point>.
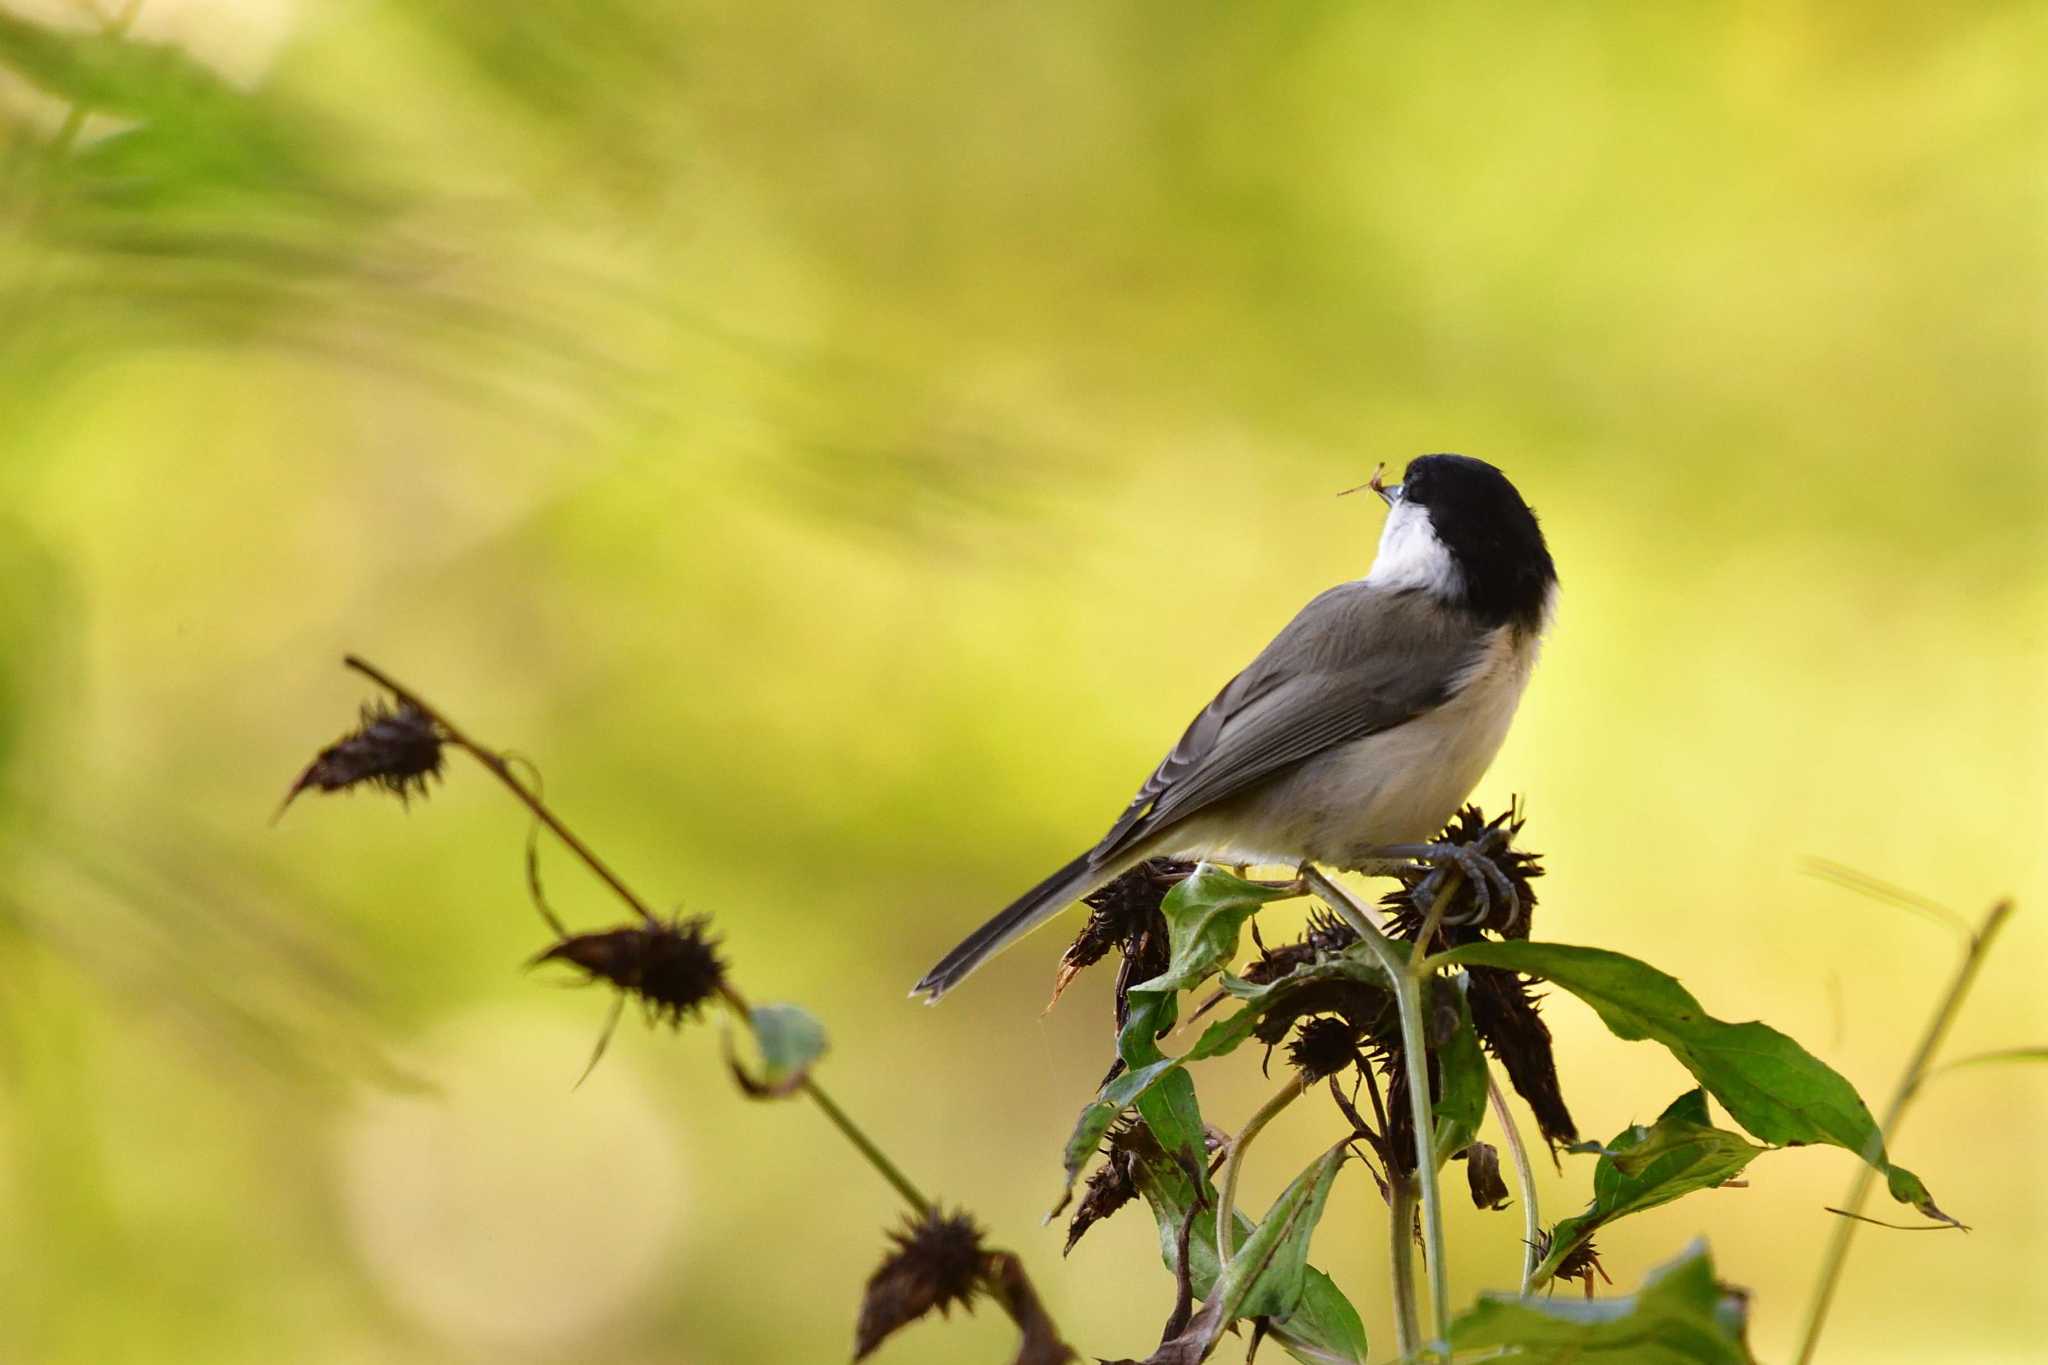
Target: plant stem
<point>1407,978</point>
<point>1909,1083</point>
<point>875,1155</point>
<point>1401,1257</point>
<point>1525,1179</point>
<point>1226,1203</point>
<point>734,1001</point>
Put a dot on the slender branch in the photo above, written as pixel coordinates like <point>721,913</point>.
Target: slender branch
<point>1226,1204</point>
<point>875,1155</point>
<point>1525,1179</point>
<point>503,772</point>
<point>734,1001</point>
<point>1909,1083</point>
<point>1407,978</point>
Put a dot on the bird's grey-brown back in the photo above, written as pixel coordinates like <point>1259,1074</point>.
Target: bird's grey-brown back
<point>1364,723</point>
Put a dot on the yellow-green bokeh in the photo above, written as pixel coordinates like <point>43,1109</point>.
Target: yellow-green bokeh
<point>841,445</point>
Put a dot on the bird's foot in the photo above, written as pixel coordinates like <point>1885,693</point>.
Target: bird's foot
<point>1475,863</point>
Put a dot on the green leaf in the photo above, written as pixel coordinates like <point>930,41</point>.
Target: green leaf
<point>789,1040</point>
<point>1681,1316</point>
<point>1204,915</point>
<point>1320,1328</point>
<point>1647,1166</point>
<point>1772,1086</point>
<point>1461,1085</point>
<point>1268,1273</point>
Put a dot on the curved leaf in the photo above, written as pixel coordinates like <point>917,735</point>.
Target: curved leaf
<point>1647,1166</point>
<point>1770,1084</point>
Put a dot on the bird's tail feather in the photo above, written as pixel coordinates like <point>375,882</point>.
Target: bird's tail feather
<point>1030,910</point>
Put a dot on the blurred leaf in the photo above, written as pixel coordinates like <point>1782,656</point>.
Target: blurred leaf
<point>1461,1086</point>
<point>1770,1084</point>
<point>1647,1166</point>
<point>104,71</point>
<point>1681,1316</point>
<point>789,1039</point>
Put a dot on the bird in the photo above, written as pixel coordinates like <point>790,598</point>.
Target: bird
<point>1352,737</point>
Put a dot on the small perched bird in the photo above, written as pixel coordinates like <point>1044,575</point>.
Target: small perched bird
<point>1360,728</point>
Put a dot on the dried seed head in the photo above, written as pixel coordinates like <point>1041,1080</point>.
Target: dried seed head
<point>1323,1047</point>
<point>1115,1182</point>
<point>394,750</point>
<point>1505,1017</point>
<point>673,968</point>
<point>1125,915</point>
<point>938,1261</point>
<point>1582,1263</point>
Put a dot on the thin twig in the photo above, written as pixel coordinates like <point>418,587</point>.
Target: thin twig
<point>1525,1179</point>
<point>1916,1070</point>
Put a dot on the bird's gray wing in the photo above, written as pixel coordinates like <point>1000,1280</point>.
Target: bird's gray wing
<point>1356,660</point>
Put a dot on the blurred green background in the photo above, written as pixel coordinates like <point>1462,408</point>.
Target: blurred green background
<point>842,444</point>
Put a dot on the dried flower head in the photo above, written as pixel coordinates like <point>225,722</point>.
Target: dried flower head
<point>1582,1263</point>
<point>673,969</point>
<point>1505,1017</point>
<point>938,1261</point>
<point>1323,1047</point>
<point>1115,1182</point>
<point>1125,915</point>
<point>394,750</point>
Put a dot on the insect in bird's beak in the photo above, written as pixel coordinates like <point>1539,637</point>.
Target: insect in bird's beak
<point>1388,491</point>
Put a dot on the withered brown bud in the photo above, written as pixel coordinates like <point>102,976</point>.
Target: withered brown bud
<point>1482,1176</point>
<point>393,750</point>
<point>938,1261</point>
<point>673,968</point>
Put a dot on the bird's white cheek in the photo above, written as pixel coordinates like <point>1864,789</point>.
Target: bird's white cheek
<point>1410,555</point>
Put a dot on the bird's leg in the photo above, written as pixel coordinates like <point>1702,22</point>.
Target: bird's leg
<point>1472,860</point>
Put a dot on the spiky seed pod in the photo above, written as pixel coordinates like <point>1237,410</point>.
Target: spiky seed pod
<point>1582,1263</point>
<point>673,969</point>
<point>393,750</point>
<point>938,1261</point>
